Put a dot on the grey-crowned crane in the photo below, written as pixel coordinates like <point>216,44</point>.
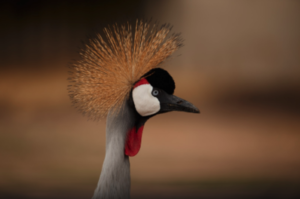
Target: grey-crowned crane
<point>118,78</point>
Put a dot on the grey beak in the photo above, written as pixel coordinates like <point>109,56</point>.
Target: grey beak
<point>174,103</point>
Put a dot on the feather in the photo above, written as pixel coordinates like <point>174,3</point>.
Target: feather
<point>109,66</point>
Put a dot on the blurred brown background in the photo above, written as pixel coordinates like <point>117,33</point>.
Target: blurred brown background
<point>240,65</point>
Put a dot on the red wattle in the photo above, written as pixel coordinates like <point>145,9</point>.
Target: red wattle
<point>133,142</point>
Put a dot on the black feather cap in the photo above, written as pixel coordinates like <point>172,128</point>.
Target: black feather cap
<point>161,79</point>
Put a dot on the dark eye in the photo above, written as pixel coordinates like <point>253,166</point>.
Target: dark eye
<point>155,92</point>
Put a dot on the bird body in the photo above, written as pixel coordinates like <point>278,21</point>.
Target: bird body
<point>119,78</point>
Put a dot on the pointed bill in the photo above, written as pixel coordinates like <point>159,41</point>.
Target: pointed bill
<point>174,103</point>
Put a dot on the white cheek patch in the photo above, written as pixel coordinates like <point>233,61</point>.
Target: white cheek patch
<point>145,103</point>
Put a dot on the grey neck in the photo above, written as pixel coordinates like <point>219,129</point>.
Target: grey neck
<point>114,180</point>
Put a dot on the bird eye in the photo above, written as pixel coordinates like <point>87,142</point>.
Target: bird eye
<point>155,92</point>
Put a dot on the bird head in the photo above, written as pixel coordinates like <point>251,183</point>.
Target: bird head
<point>153,94</point>
<point>122,67</point>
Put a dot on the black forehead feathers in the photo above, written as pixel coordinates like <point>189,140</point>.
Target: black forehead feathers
<point>161,79</point>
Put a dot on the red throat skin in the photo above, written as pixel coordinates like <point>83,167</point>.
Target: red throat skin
<point>133,142</point>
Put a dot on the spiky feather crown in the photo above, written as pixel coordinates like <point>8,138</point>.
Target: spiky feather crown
<point>110,66</point>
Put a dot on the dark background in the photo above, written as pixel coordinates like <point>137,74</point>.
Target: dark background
<point>240,64</point>
<point>50,31</point>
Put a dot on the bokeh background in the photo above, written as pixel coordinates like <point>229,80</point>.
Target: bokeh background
<point>240,65</point>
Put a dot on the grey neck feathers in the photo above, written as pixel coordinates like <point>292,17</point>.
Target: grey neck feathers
<point>114,180</point>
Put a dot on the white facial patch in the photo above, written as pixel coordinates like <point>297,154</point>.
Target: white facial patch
<point>145,103</point>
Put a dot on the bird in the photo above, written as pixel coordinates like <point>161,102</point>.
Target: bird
<point>118,78</point>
